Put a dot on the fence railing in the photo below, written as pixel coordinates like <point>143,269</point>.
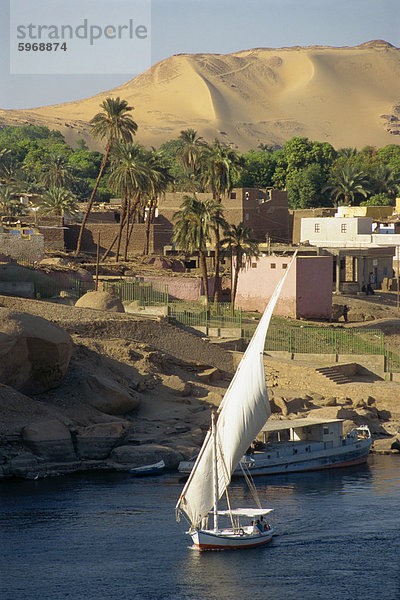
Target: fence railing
<point>197,315</point>
<point>392,362</point>
<point>280,337</point>
<point>323,340</point>
<point>143,293</point>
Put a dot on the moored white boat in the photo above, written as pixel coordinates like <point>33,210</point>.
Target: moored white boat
<point>313,444</point>
<point>243,411</point>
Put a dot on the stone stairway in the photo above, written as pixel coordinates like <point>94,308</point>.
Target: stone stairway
<point>334,374</point>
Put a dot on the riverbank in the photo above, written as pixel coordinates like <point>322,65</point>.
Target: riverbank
<point>138,390</point>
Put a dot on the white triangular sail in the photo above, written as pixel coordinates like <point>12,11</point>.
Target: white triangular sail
<point>243,412</point>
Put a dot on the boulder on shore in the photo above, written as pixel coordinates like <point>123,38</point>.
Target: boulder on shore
<point>100,301</point>
<point>97,441</point>
<point>34,353</point>
<point>108,396</point>
<point>50,440</point>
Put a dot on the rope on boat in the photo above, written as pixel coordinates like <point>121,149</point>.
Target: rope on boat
<point>251,484</point>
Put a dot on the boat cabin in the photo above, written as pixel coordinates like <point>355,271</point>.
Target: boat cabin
<point>303,430</point>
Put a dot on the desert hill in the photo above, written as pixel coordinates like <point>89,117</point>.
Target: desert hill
<point>348,96</point>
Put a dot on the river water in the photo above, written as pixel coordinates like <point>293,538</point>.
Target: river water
<point>112,536</point>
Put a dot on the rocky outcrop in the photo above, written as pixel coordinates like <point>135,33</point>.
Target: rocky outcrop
<point>100,301</point>
<point>97,441</point>
<point>108,396</point>
<point>34,353</point>
<point>51,440</point>
<point>176,386</point>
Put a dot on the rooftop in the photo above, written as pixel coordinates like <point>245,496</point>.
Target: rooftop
<point>296,423</point>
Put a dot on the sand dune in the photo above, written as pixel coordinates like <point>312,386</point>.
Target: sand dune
<point>346,96</point>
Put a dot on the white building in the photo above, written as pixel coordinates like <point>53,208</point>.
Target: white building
<point>359,251</point>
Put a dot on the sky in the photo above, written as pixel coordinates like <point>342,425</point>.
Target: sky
<point>105,59</point>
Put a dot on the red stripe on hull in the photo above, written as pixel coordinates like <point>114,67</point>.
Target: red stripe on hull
<point>346,463</point>
<point>213,547</point>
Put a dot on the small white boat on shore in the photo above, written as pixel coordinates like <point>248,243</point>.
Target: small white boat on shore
<point>153,469</point>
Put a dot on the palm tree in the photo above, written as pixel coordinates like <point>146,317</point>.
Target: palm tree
<point>9,206</point>
<point>58,201</point>
<point>162,177</point>
<point>387,180</point>
<point>57,171</point>
<point>189,153</point>
<point>113,124</point>
<point>132,176</point>
<point>219,165</point>
<point>347,182</point>
<point>240,243</point>
<point>192,231</point>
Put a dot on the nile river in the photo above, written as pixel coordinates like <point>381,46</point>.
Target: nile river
<point>111,536</point>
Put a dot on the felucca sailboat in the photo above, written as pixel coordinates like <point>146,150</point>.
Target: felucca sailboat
<point>242,413</point>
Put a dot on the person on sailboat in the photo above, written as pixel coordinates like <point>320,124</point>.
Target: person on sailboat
<point>259,527</point>
<point>264,525</point>
<point>254,527</point>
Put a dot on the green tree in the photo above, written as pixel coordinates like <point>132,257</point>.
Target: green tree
<point>189,153</point>
<point>258,169</point>
<point>305,187</point>
<point>386,180</point>
<point>132,176</point>
<point>113,123</point>
<point>240,243</point>
<point>161,179</point>
<point>219,166</point>
<point>57,172</point>
<point>57,201</point>
<point>381,199</point>
<point>9,205</point>
<point>192,231</point>
<point>348,182</point>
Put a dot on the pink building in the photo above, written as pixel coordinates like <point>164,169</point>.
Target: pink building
<point>307,292</point>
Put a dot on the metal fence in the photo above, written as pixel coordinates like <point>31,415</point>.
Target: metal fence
<point>137,291</point>
<point>392,362</point>
<point>195,314</point>
<point>322,340</point>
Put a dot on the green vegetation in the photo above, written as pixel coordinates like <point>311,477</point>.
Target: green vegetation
<point>113,123</point>
<point>38,161</point>
<point>193,226</point>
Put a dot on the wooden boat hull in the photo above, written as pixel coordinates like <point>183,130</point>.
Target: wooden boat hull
<point>229,540</point>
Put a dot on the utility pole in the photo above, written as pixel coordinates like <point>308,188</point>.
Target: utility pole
<point>97,262</point>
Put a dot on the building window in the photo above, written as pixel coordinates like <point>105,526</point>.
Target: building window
<point>233,195</point>
<point>273,265</point>
<point>343,228</point>
<point>317,228</point>
<point>254,265</point>
<point>326,430</point>
<point>284,265</point>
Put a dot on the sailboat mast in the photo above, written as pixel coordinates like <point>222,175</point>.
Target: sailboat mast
<point>215,470</point>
